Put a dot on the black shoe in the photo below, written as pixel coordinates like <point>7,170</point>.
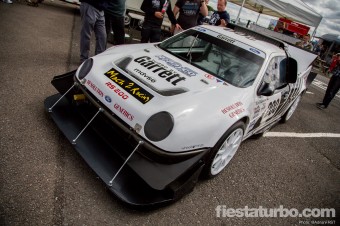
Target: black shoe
<point>321,106</point>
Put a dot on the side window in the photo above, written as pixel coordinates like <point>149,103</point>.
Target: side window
<point>276,73</point>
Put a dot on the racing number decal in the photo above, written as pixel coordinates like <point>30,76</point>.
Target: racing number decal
<point>272,106</point>
<point>125,83</point>
<point>271,109</point>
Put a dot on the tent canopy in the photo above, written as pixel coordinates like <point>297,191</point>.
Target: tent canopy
<point>294,10</point>
<point>331,38</point>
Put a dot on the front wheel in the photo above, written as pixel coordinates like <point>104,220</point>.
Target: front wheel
<point>224,150</point>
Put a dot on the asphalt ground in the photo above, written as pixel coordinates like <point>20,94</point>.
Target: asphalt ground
<point>43,181</point>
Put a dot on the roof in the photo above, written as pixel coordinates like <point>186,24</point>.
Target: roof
<point>264,43</point>
<point>331,38</point>
<point>295,10</point>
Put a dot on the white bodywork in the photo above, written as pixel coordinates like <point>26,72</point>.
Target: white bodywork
<point>209,105</point>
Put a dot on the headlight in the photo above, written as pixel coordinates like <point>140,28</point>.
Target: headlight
<point>159,126</point>
<point>85,68</point>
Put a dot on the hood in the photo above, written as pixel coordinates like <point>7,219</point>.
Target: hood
<point>163,73</point>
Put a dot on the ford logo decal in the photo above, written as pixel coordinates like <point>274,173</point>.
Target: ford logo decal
<point>108,99</point>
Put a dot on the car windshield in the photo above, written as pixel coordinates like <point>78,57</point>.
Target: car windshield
<point>228,62</point>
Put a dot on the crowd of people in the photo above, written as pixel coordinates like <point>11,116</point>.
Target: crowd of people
<point>100,16</point>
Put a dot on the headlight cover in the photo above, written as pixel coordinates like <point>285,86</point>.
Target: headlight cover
<point>85,68</point>
<point>159,126</point>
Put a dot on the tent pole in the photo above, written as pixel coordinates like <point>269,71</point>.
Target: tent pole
<point>239,12</point>
<point>314,32</point>
<point>258,18</point>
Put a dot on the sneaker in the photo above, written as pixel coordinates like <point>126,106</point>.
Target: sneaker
<point>321,106</point>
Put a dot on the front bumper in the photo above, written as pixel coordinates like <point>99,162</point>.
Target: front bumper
<point>151,176</point>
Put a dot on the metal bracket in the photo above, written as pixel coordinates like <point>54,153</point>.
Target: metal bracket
<point>136,148</point>
<point>75,139</point>
<point>50,109</point>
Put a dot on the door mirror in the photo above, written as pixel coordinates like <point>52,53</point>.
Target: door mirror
<point>266,90</point>
<point>291,72</point>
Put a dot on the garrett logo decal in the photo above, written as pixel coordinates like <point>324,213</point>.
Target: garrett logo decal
<point>160,69</point>
<point>125,83</point>
<point>226,38</point>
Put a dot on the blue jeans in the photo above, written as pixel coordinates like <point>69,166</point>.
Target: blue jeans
<point>91,20</point>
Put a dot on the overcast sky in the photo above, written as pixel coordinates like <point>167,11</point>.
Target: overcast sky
<point>329,9</point>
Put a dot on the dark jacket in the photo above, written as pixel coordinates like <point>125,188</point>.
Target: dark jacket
<point>149,7</point>
<point>98,4</point>
<point>115,8</point>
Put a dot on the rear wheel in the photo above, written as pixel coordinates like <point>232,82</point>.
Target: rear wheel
<point>224,150</point>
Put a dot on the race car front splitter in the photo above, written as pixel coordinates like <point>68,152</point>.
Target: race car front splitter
<point>134,178</point>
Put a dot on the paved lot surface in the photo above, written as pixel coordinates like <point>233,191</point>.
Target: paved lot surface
<point>43,181</point>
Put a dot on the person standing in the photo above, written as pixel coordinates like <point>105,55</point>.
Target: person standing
<point>305,43</point>
<point>188,11</point>
<point>220,17</point>
<point>114,19</point>
<point>202,19</point>
<point>333,86</point>
<point>154,13</point>
<point>92,19</point>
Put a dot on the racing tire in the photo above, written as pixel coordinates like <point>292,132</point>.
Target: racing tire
<point>140,24</point>
<point>290,110</point>
<point>127,20</point>
<point>224,150</point>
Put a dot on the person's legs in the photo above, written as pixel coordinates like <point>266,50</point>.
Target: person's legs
<point>87,23</point>
<point>118,28</point>
<point>332,89</point>
<point>107,25</point>
<point>155,34</point>
<point>100,32</point>
<point>145,33</point>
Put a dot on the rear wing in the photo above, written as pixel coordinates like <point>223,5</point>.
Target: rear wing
<point>303,57</point>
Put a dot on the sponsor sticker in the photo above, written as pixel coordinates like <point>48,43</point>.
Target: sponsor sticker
<point>226,38</point>
<point>255,51</point>
<point>94,88</point>
<point>209,76</point>
<point>108,99</point>
<point>128,85</point>
<point>234,109</point>
<point>185,70</point>
<point>161,70</point>
<point>123,112</point>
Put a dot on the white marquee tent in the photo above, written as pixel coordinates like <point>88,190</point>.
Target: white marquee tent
<point>295,10</point>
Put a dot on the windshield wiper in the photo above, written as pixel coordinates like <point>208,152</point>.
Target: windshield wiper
<point>192,45</point>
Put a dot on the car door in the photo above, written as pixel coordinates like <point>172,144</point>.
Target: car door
<point>269,106</point>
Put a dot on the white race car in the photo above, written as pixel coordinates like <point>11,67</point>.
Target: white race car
<point>149,119</point>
